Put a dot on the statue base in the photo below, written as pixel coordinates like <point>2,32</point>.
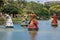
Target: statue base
<point>9,26</point>
<point>54,24</point>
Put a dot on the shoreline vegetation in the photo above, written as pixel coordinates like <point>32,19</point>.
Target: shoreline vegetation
<point>18,20</point>
<point>17,9</point>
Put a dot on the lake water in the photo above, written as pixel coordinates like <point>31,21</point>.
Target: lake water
<point>46,32</point>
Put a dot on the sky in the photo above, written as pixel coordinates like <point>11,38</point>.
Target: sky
<point>42,1</point>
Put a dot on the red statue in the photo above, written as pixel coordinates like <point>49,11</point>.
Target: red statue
<point>54,21</point>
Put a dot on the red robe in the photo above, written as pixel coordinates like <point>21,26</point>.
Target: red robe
<point>33,24</point>
<point>54,21</point>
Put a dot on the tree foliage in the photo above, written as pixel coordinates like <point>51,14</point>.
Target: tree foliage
<point>22,6</point>
<point>10,9</point>
<point>56,9</point>
<point>1,3</point>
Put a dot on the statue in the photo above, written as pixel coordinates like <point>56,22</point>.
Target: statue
<point>8,23</point>
<point>33,24</point>
<point>54,21</point>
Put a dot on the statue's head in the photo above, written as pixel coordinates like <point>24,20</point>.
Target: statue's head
<point>54,14</point>
<point>33,15</point>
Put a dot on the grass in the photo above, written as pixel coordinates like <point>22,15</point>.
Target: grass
<point>15,20</point>
<point>1,21</point>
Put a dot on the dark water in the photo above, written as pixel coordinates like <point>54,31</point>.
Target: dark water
<point>46,32</point>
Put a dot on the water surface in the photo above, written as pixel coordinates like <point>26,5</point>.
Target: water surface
<point>46,32</point>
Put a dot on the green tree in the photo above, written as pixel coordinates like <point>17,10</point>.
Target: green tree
<point>32,6</point>
<point>1,4</point>
<point>11,10</point>
<point>37,8</point>
<point>55,9</point>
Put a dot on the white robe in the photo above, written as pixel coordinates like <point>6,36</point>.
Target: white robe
<point>9,21</point>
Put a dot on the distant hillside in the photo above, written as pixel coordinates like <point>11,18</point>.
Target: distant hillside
<point>52,2</point>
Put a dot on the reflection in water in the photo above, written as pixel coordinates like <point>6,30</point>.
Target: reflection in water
<point>55,35</point>
<point>54,27</point>
<point>2,34</point>
<point>8,36</point>
<point>33,34</point>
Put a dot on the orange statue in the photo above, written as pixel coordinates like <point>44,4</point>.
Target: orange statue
<point>33,24</point>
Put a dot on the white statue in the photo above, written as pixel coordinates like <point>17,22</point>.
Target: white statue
<point>8,23</point>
